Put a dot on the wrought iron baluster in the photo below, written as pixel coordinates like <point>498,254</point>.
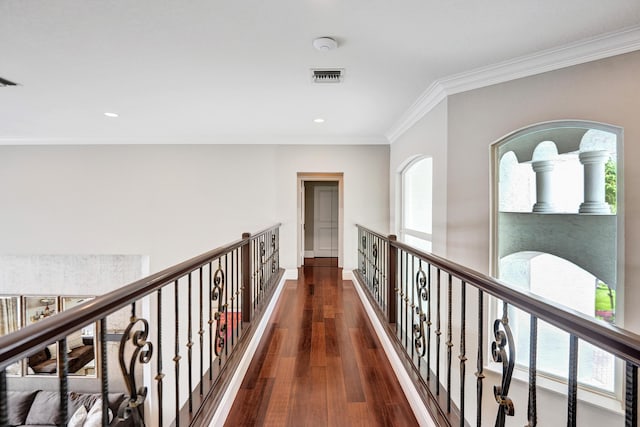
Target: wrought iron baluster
<point>631,395</point>
<point>232,287</point>
<point>438,333</point>
<point>385,267</point>
<point>449,342</point>
<point>429,322</point>
<point>239,294</point>
<point>532,411</point>
<point>221,313</point>
<point>375,280</point>
<point>419,340</point>
<point>160,374</point>
<point>479,358</point>
<point>4,406</point>
<point>104,376</point>
<point>262,262</point>
<point>210,290</point>
<point>177,357</point>
<point>413,308</point>
<point>463,347</point>
<point>398,298</point>
<point>226,305</point>
<point>142,352</point>
<point>201,332</point>
<point>63,375</point>
<point>572,394</point>
<point>503,341</point>
<point>189,342</point>
<point>407,310</point>
<point>274,255</point>
<point>363,263</point>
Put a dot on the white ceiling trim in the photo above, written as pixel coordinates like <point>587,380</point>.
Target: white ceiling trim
<point>612,44</point>
<point>222,140</point>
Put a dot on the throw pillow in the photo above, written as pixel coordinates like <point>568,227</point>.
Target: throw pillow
<point>78,418</point>
<point>19,403</point>
<point>94,417</point>
<point>45,409</point>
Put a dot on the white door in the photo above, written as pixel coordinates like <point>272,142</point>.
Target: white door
<point>325,221</point>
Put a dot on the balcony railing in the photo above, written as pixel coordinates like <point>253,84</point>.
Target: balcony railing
<point>187,328</point>
<point>425,301</point>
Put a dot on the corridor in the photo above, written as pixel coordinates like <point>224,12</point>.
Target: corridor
<point>320,362</point>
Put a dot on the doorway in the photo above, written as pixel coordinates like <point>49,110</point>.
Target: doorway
<point>320,215</point>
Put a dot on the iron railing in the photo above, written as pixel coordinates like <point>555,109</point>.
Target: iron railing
<point>424,302</point>
<point>198,315</point>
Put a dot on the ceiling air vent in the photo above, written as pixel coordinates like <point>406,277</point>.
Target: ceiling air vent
<point>5,82</point>
<point>324,75</point>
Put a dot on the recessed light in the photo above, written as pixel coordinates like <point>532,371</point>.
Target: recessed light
<point>111,114</point>
<point>319,120</point>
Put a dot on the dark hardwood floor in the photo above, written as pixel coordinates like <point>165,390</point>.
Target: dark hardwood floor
<point>319,362</point>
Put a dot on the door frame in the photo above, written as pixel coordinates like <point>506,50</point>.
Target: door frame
<point>319,176</point>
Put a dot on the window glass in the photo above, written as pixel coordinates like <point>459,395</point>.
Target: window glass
<point>416,207</point>
<point>557,253</point>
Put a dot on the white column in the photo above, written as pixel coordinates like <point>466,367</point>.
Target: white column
<point>594,200</point>
<point>543,169</point>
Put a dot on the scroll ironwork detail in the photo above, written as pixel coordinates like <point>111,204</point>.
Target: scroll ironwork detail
<point>376,280</point>
<point>221,314</point>
<point>142,352</point>
<point>419,337</point>
<point>503,351</point>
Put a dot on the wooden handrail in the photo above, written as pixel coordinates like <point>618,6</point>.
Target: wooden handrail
<point>26,341</point>
<point>620,342</point>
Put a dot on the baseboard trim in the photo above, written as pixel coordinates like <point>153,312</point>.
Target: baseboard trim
<point>309,254</point>
<point>347,274</point>
<point>226,402</point>
<point>291,274</point>
<point>413,396</point>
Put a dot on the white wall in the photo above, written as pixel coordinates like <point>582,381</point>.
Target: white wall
<point>168,202</point>
<point>427,138</point>
<point>366,191</point>
<point>605,91</point>
<point>173,202</point>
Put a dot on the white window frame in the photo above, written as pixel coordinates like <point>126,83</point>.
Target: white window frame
<point>589,394</point>
<point>403,230</point>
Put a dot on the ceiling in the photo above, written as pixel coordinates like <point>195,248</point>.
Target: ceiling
<point>238,71</point>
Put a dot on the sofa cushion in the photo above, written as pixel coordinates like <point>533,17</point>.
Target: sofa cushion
<point>81,399</point>
<point>45,409</point>
<point>19,403</point>
<point>46,406</point>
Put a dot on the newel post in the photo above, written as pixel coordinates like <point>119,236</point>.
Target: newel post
<point>246,277</point>
<point>392,277</point>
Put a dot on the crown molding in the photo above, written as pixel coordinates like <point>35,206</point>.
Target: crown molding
<point>593,49</point>
<point>425,103</point>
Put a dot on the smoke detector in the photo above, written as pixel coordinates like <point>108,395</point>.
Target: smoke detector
<point>324,44</point>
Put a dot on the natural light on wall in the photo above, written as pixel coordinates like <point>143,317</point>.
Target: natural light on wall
<point>415,228</point>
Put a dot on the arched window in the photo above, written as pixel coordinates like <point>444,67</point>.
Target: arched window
<point>556,226</point>
<point>416,204</point>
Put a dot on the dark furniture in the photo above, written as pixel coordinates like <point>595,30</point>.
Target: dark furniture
<point>42,363</point>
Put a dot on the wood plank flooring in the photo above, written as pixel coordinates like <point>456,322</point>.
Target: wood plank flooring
<point>319,362</point>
